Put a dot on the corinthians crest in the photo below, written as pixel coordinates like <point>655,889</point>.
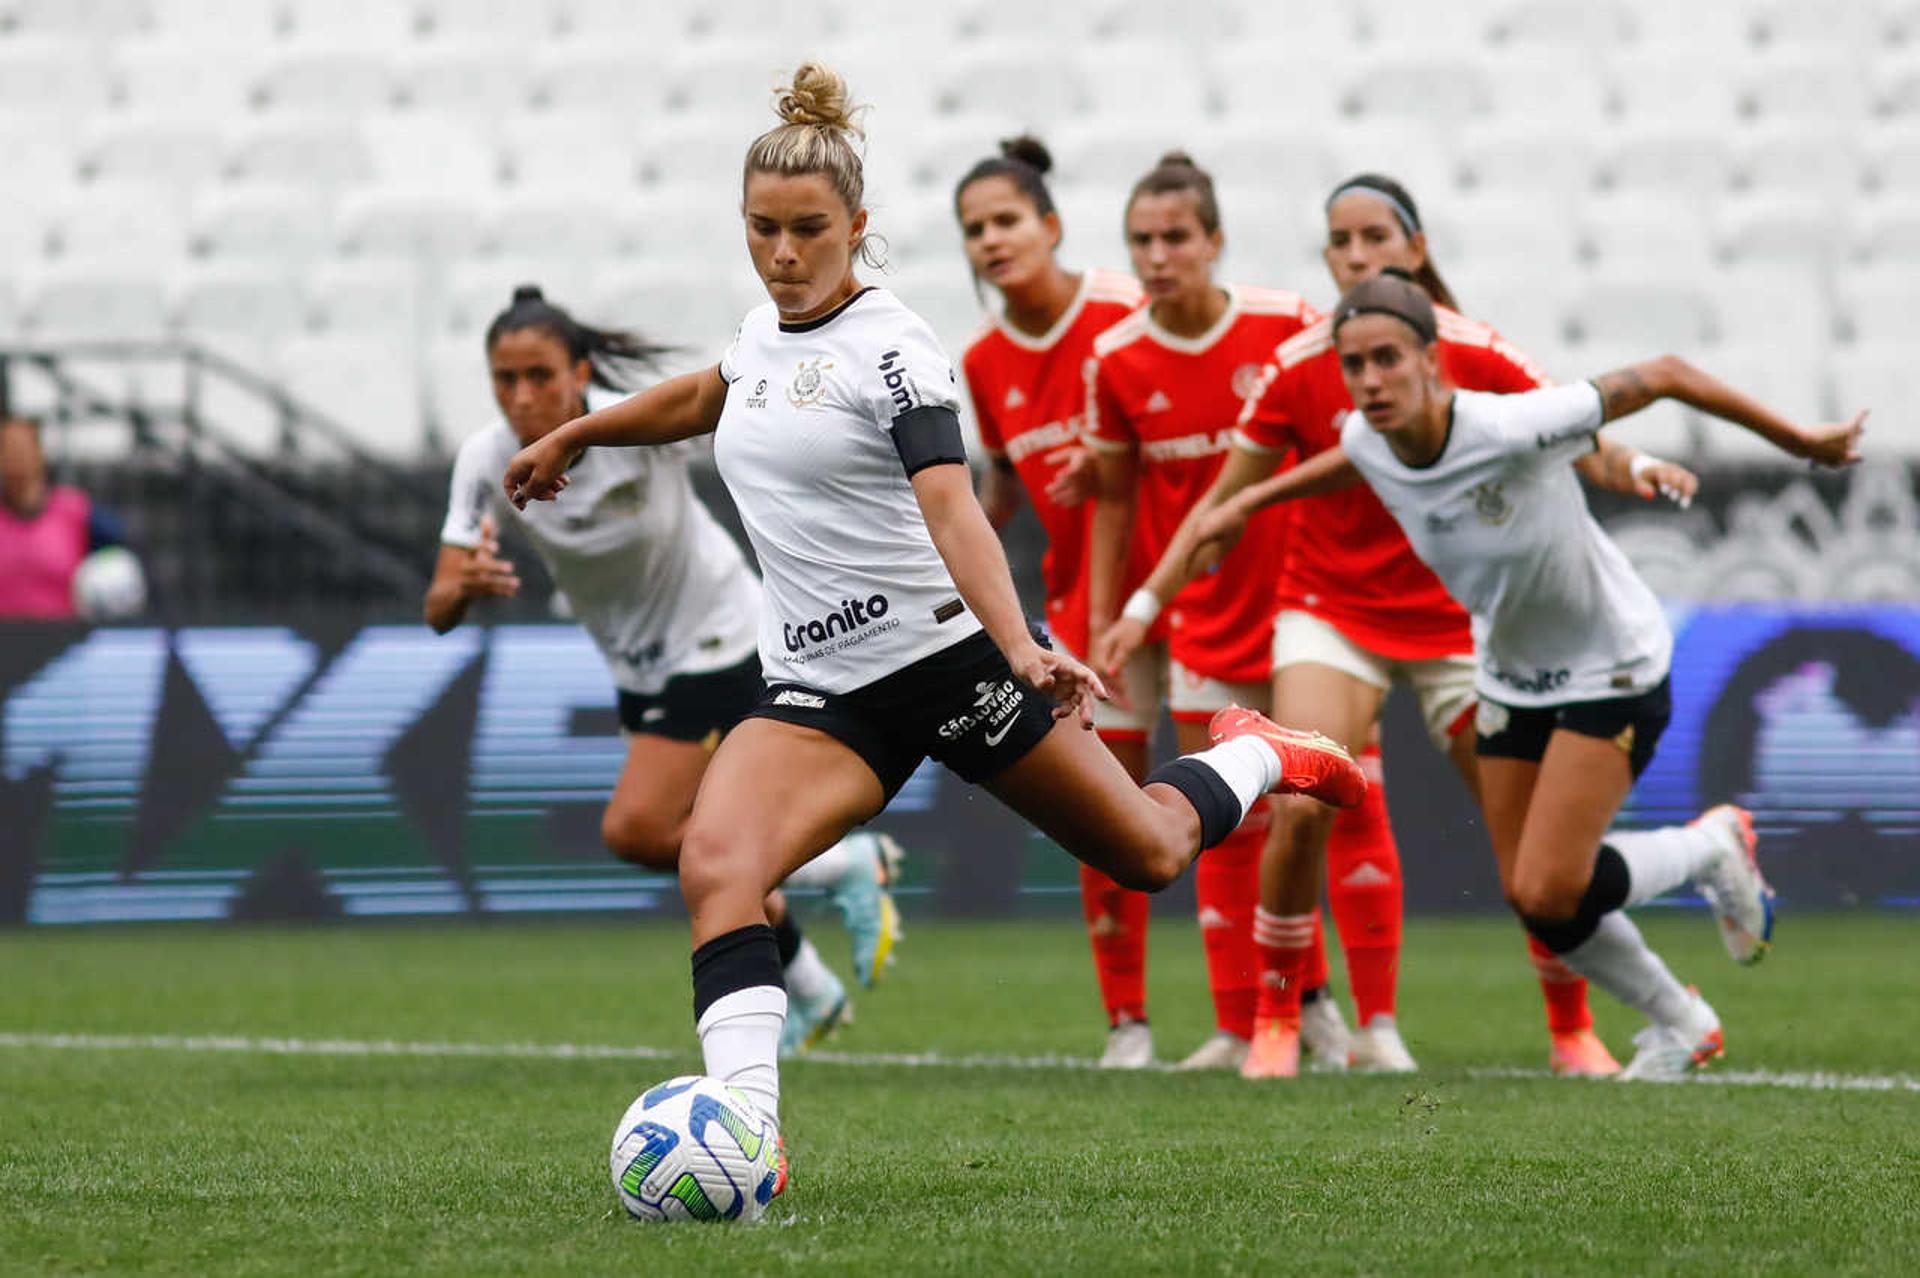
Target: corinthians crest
<point>1490,503</point>
<point>809,385</point>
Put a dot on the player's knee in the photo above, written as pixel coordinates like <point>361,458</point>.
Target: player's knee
<point>712,864</point>
<point>1300,822</point>
<point>641,839</point>
<point>1544,895</point>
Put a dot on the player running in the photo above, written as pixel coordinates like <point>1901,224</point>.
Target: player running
<point>670,602</point>
<point>1161,383</point>
<point>1358,611</point>
<point>892,630</point>
<point>1573,650</point>
<point>1026,375</point>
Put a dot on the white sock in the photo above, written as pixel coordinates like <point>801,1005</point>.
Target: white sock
<point>808,977</point>
<point>740,1041</point>
<point>832,865</point>
<point>1618,960</point>
<point>1658,861</point>
<point>1247,764</point>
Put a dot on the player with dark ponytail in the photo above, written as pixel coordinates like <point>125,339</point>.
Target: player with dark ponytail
<point>1025,373</point>
<point>668,599</point>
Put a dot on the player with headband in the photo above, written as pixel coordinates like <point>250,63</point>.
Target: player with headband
<point>1573,650</point>
<point>1025,375</point>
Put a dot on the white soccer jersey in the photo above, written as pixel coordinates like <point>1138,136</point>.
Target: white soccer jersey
<point>654,578</point>
<point>1559,614</point>
<point>855,588</point>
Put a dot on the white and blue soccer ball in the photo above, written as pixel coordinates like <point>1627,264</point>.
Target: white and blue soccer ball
<point>693,1148</point>
<point>109,585</point>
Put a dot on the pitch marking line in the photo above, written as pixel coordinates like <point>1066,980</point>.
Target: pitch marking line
<point>1814,1081</point>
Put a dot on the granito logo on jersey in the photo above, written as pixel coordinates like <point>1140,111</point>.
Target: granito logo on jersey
<point>854,614</point>
<point>809,385</point>
<point>995,704</point>
<point>1548,438</point>
<point>1538,682</point>
<point>1490,504</point>
<point>800,700</point>
<point>893,374</point>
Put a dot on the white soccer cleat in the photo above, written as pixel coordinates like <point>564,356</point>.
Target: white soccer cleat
<point>1221,1051</point>
<point>1733,885</point>
<point>1129,1046</point>
<point>1324,1037</point>
<point>1379,1049</point>
<point>866,906</point>
<point>1668,1052</point>
<point>811,1022</point>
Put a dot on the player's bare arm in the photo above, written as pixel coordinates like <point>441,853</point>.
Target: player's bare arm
<point>463,574</point>
<point>1111,533</point>
<point>1628,390</point>
<point>978,565</point>
<point>1000,490</point>
<point>679,408</point>
<point>1622,468</point>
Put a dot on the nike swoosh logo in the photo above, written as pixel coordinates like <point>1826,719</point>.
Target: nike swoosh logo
<point>995,738</point>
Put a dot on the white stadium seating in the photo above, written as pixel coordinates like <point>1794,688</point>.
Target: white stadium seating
<point>310,180</point>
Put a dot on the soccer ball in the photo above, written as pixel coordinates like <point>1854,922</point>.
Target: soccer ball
<point>109,585</point>
<point>692,1148</point>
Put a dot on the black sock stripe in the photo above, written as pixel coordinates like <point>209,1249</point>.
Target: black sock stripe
<point>1212,798</point>
<point>786,937</point>
<point>737,960</point>
<point>1606,892</point>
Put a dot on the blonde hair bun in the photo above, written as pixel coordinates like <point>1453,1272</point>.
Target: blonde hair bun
<point>818,96</point>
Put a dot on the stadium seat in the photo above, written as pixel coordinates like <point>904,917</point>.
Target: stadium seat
<point>1786,378</point>
<point>40,159</point>
<point>1531,313</point>
<point>68,301</point>
<point>478,289</point>
<point>1875,307</point>
<point>330,79</point>
<point>727,83</point>
<point>319,152</point>
<point>779,26</point>
<point>1810,158</point>
<point>511,24</point>
<point>134,222</point>
<point>1896,87</point>
<point>1034,81</point>
<point>369,299</point>
<point>1437,92</point>
<point>942,294</point>
<point>1665,428</point>
<point>1520,85</point>
<point>1662,87</point>
<point>224,300</point>
<point>1501,231</point>
<point>1562,31</point>
<point>1644,231</point>
<point>1786,307</point>
<point>1444,31</point>
<point>483,81</point>
<point>168,75</point>
<point>1818,88</point>
<point>1305,102</point>
<point>943,148</point>
<point>692,222</point>
<point>232,25</point>
<point>1403,149</point>
<point>1157,22</point>
<point>1781,230</point>
<point>1651,311</point>
<point>587,77</point>
<point>1552,169</point>
<point>617,22</point>
<point>596,226</point>
<point>441,152</point>
<point>367,387</point>
<point>1887,233</point>
<point>1891,164</point>
<point>95,21</point>
<point>683,304</point>
<point>1120,77</point>
<point>381,24</point>
<point>546,149</point>
<point>407,224</point>
<point>1725,26</point>
<point>1094,220</point>
<point>174,154</point>
<point>1116,150</point>
<point>687,151</point>
<point>1292,32</point>
<point>1850,29</point>
<point>283,223</point>
<point>51,75</point>
<point>1878,376</point>
<point>1660,160</point>
<point>459,392</point>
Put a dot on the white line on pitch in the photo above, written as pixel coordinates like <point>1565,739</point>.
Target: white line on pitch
<point>1804,1081</point>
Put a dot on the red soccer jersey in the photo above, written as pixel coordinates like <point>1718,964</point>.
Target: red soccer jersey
<point>1346,560</point>
<point>1173,400</point>
<point>1030,398</point>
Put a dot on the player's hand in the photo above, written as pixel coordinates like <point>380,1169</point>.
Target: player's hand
<point>1113,648</point>
<point>1834,445</point>
<point>1219,529</point>
<point>1077,480</point>
<point>485,572</point>
<point>1666,479</point>
<point>538,472</point>
<point>1073,686</point>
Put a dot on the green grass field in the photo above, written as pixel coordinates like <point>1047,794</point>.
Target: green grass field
<point>159,1159</point>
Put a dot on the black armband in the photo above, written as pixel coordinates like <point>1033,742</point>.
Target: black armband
<point>928,436</point>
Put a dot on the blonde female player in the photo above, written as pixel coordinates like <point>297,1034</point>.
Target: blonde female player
<point>1573,650</point>
<point>667,598</point>
<point>1358,610</point>
<point>1160,385</point>
<point>892,631</point>
<point>1025,373</point>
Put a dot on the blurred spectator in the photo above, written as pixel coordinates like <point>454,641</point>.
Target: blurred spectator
<point>45,531</point>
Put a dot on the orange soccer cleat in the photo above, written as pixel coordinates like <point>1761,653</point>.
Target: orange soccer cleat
<point>1310,764</point>
<point>1581,1054</point>
<point>1275,1049</point>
